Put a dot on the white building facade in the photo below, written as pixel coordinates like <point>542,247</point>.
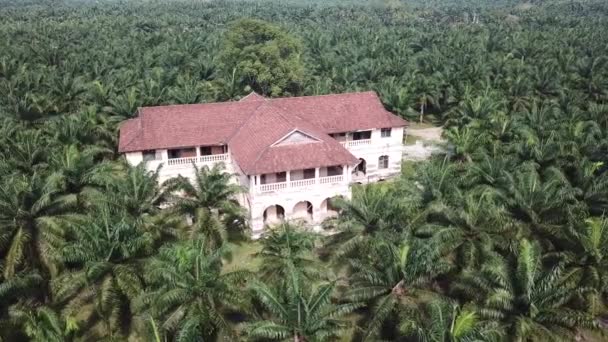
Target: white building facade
<point>290,165</point>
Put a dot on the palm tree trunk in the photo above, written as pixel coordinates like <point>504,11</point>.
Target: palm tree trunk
<point>422,111</point>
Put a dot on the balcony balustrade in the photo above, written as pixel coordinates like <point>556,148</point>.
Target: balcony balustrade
<point>356,143</point>
<point>198,160</point>
<point>300,183</point>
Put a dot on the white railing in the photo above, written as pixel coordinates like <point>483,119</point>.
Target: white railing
<point>213,158</point>
<point>302,182</point>
<point>331,179</point>
<point>272,187</point>
<point>197,160</point>
<point>354,143</point>
<point>181,161</point>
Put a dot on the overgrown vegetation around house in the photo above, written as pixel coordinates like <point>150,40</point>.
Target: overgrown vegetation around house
<point>504,239</point>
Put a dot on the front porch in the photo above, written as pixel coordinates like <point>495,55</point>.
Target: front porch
<point>304,212</point>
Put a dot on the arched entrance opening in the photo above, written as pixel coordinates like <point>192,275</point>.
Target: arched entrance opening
<point>328,209</point>
<point>361,168</point>
<point>274,214</point>
<point>303,210</point>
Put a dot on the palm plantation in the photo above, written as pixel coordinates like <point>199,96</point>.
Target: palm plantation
<point>502,237</point>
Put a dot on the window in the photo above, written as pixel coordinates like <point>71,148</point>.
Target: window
<point>334,170</point>
<point>205,150</point>
<point>281,176</point>
<point>385,132</point>
<point>262,179</point>
<point>383,162</point>
<point>151,155</point>
<point>362,135</point>
<point>309,173</point>
<point>182,153</point>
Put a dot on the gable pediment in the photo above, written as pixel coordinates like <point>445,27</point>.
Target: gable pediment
<point>296,137</point>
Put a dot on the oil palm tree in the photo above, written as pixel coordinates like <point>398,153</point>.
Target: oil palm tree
<point>137,191</point>
<point>530,301</point>
<point>283,246</point>
<point>210,189</point>
<point>391,278</point>
<point>104,270</point>
<point>541,203</point>
<point>442,320</point>
<point>587,261</point>
<point>189,295</point>
<point>298,312</point>
<point>24,151</point>
<point>77,172</point>
<point>372,210</point>
<point>29,211</point>
<point>468,230</point>
<point>42,324</point>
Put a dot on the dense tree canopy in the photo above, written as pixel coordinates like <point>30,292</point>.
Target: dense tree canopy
<point>265,57</point>
<point>501,237</point>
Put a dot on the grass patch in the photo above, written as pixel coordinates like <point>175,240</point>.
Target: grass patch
<point>410,139</point>
<point>408,168</point>
<point>418,125</point>
<point>242,256</point>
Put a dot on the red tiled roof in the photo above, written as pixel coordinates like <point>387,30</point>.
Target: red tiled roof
<point>337,113</point>
<point>252,145</point>
<point>251,126</point>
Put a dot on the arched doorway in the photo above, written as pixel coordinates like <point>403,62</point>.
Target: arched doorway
<point>361,168</point>
<point>303,210</point>
<point>274,214</point>
<point>328,209</point>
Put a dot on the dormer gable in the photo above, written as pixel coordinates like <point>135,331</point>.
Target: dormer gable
<point>296,137</point>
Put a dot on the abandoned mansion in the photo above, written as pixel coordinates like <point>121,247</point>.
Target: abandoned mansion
<point>291,154</point>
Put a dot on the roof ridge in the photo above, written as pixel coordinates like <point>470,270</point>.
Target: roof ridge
<point>195,104</point>
<point>323,95</point>
<point>238,129</point>
<point>264,99</point>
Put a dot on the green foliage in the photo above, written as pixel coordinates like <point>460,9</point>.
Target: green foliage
<point>189,296</point>
<point>286,247</point>
<point>503,237</point>
<point>268,59</point>
<point>298,311</point>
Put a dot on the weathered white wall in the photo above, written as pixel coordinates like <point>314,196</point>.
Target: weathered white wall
<point>391,146</point>
<point>134,158</point>
<point>288,199</point>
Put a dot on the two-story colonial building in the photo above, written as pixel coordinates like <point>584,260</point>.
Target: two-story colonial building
<point>291,154</point>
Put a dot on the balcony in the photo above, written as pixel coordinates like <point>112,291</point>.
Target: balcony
<point>356,143</point>
<point>212,158</point>
<point>300,184</point>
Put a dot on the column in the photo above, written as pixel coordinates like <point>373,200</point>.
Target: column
<point>251,183</point>
<point>345,174</point>
<point>288,177</point>
<point>317,175</point>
